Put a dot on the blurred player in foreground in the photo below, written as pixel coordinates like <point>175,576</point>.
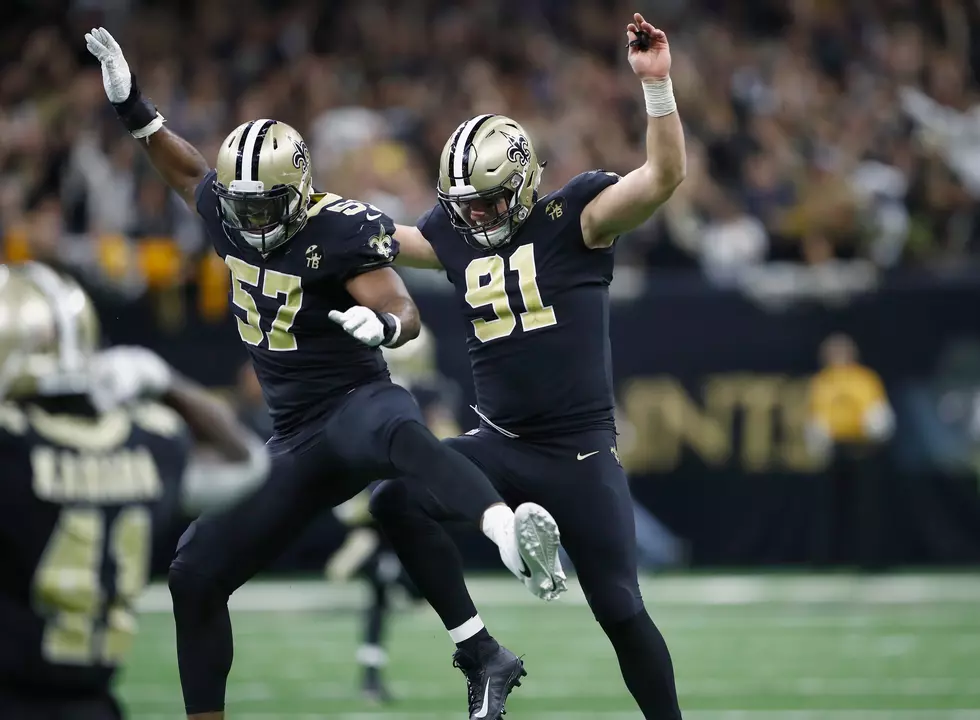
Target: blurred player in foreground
<point>366,551</point>
<point>315,299</point>
<point>95,455</point>
<point>531,275</point>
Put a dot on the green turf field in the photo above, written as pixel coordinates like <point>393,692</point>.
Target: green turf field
<point>768,647</point>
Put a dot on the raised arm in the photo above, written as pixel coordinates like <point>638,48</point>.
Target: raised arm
<point>178,162</point>
<point>415,250</point>
<point>627,204</point>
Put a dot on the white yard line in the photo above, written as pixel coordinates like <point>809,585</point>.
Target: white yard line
<point>281,596</point>
<point>543,689</point>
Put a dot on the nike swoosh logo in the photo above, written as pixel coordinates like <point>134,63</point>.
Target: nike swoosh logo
<point>580,456</point>
<point>525,571</point>
<point>486,701</point>
<point>369,216</point>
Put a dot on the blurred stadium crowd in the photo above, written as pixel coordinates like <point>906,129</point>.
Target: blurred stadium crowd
<point>818,129</point>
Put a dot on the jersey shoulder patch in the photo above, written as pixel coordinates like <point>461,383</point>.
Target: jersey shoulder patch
<point>355,236</point>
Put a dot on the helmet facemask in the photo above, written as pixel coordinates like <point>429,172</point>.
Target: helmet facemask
<point>265,219</point>
<point>487,219</point>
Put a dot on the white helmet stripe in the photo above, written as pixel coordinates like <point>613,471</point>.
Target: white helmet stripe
<point>65,317</point>
<point>249,149</point>
<point>458,152</point>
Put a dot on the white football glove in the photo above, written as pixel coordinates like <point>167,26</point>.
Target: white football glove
<point>124,374</point>
<point>116,77</point>
<point>363,324</point>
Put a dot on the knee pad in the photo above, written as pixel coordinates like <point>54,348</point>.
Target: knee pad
<point>631,626</point>
<point>191,585</point>
<point>191,588</point>
<point>613,602</point>
<point>389,500</point>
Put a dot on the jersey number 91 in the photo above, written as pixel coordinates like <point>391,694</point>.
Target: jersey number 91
<point>493,293</point>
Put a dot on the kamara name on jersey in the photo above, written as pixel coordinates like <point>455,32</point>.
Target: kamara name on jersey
<point>124,475</point>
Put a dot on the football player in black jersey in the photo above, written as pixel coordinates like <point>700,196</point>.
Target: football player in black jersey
<point>365,550</point>
<point>531,276</point>
<point>315,298</point>
<point>95,455</point>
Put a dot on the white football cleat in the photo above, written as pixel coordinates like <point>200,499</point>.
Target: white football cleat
<point>510,552</point>
<point>538,541</point>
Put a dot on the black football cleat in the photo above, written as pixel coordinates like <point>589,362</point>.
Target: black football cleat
<point>489,680</point>
<point>373,688</point>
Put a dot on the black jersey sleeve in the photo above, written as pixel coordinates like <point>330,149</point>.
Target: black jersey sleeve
<point>204,197</point>
<point>582,189</point>
<point>442,236</point>
<point>370,245</point>
<point>431,220</point>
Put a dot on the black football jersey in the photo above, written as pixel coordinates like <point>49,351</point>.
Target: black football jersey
<point>86,498</point>
<point>304,361</point>
<point>537,315</point>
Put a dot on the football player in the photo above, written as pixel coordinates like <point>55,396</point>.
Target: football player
<point>92,480</point>
<point>531,276</point>
<point>365,549</point>
<point>315,298</point>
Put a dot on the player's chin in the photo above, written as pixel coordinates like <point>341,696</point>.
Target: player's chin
<point>491,236</point>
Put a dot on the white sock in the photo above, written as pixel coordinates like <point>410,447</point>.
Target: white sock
<point>372,656</point>
<point>467,630</point>
<point>498,523</point>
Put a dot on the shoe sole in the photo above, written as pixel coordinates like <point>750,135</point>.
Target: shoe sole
<point>538,540</point>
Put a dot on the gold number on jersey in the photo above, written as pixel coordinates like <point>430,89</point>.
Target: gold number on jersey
<point>274,284</point>
<point>335,203</point>
<point>536,315</point>
<point>493,292</point>
<point>243,274</point>
<point>68,591</point>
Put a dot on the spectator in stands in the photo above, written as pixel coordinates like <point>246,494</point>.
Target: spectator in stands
<point>850,420</point>
<point>829,129</point>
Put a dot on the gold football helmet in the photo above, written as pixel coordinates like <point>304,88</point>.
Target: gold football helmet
<point>488,177</point>
<point>48,332</point>
<point>264,182</point>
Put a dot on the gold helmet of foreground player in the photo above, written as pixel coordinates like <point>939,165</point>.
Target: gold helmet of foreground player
<point>488,177</point>
<point>48,332</point>
<point>264,182</point>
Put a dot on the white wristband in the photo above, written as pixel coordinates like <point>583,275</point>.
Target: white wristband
<point>150,128</point>
<point>398,330</point>
<point>659,97</point>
